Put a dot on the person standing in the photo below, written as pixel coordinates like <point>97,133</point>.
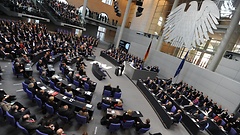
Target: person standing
<point>122,68</point>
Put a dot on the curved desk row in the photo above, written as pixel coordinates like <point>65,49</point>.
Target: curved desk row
<point>188,122</point>
<point>97,71</point>
<point>191,127</point>
<point>67,100</point>
<point>110,59</point>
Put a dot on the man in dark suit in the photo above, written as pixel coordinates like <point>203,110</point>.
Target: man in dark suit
<point>203,123</point>
<point>113,119</point>
<point>18,112</point>
<point>140,124</point>
<point>66,111</point>
<point>177,116</point>
<point>29,123</point>
<point>47,128</point>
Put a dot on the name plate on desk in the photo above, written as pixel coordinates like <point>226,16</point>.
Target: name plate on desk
<point>137,112</point>
<point>88,105</point>
<point>78,89</point>
<point>43,88</point>
<point>27,68</point>
<point>64,97</point>
<point>38,82</point>
<point>88,92</point>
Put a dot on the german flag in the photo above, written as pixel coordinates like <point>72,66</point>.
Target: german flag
<point>147,52</point>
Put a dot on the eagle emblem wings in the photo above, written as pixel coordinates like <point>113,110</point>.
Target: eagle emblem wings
<point>191,27</point>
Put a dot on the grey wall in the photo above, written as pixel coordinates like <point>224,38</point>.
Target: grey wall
<point>222,89</point>
<point>231,66</point>
<point>91,30</point>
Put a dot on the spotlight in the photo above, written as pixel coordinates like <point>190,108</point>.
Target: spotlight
<point>139,11</point>
<point>139,3</point>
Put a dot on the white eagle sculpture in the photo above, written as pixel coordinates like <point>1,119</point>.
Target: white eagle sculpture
<point>188,28</point>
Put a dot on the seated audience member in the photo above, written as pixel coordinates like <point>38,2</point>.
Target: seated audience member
<point>29,123</point>
<point>17,112</point>
<point>70,76</point>
<point>19,69</point>
<point>189,108</point>
<point>108,87</point>
<point>60,132</point>
<point>147,80</point>
<point>52,103</point>
<point>61,87</point>
<point>32,89</point>
<point>127,115</point>
<point>113,119</point>
<point>66,111</point>
<point>84,112</point>
<point>45,80</point>
<point>8,55</point>
<point>5,97</point>
<point>40,65</point>
<point>25,59</point>
<point>30,79</point>
<point>42,95</point>
<point>140,124</point>
<point>164,100</point>
<point>176,117</point>
<point>119,104</point>
<point>168,106</point>
<point>47,128</point>
<point>203,123</point>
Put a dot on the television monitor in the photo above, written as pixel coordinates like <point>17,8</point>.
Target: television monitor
<point>124,45</point>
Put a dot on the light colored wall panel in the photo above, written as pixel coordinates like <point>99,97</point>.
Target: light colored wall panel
<point>223,90</point>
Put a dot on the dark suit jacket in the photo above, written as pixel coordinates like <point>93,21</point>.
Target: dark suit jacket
<point>68,113</point>
<point>46,130</point>
<point>30,126</point>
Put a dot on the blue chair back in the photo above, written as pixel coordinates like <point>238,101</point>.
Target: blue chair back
<point>86,86</point>
<point>118,108</point>
<point>143,130</point>
<point>173,109</point>
<point>49,109</point>
<point>107,93</point>
<point>233,132</point>
<point>25,86</point>
<point>69,80</point>
<point>57,89</point>
<point>40,133</point>
<point>67,94</point>
<point>76,83</point>
<point>117,95</point>
<point>127,124</point>
<point>38,101</point>
<point>80,99</point>
<point>113,127</point>
<point>52,84</point>
<point>223,122</point>
<point>63,118</point>
<point>105,106</point>
<point>81,119</point>
<point>11,120</point>
<point>24,130</point>
<point>29,94</point>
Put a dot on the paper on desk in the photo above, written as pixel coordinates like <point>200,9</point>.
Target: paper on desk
<point>88,105</point>
<point>38,82</point>
<point>43,88</point>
